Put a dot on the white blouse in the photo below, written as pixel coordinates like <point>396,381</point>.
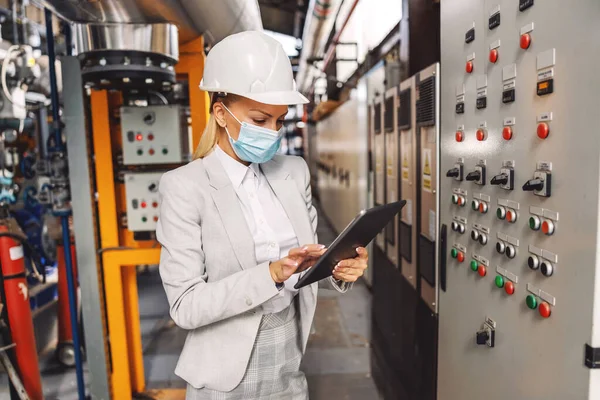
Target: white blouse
<point>269,224</point>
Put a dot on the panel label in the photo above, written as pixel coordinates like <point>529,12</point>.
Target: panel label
<point>527,28</point>
<point>460,247</point>
<point>495,45</point>
<point>512,204</point>
<point>548,255</point>
<point>546,59</point>
<point>460,128</point>
<point>544,166</point>
<point>460,219</point>
<point>482,125</point>
<point>501,236</point>
<point>481,228</point>
<point>545,74</point>
<point>405,164</point>
<point>547,116</point>
<point>460,191</point>
<point>471,57</point>
<point>482,93</point>
<point>427,160</point>
<point>535,250</point>
<point>553,215</point>
<point>536,211</point>
<point>481,259</point>
<point>510,121</point>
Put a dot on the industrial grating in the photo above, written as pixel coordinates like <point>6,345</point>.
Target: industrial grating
<point>404,110</point>
<point>426,102</point>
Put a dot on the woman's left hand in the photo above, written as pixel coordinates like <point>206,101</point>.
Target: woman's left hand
<point>351,269</point>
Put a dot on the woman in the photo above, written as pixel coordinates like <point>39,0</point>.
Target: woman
<point>237,228</point>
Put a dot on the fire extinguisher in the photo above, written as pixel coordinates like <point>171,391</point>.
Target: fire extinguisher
<point>65,350</point>
<point>16,292</point>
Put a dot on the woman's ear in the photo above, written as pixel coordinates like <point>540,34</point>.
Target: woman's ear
<point>219,113</point>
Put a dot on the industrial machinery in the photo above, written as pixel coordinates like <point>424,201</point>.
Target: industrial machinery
<point>379,160</point>
<point>405,300</point>
<point>390,128</point>
<point>408,182</point>
<point>519,151</point>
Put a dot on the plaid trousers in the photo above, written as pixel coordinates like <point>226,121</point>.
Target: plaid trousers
<point>273,370</point>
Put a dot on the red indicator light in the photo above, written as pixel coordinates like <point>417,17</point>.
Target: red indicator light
<point>138,137</point>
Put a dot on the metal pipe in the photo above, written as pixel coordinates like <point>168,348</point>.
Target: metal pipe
<point>59,145</point>
<point>73,306</point>
<point>53,85</point>
<point>331,50</point>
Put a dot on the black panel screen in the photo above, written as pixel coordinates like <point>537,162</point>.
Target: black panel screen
<point>377,118</point>
<point>406,241</point>
<point>427,259</point>
<point>426,102</point>
<point>388,115</point>
<point>404,111</point>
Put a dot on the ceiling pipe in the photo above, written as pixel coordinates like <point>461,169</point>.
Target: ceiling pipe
<point>331,50</point>
<point>319,23</point>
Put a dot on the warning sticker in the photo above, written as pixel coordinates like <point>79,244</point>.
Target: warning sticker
<point>427,170</point>
<point>405,169</point>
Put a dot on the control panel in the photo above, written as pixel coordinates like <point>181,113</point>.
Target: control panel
<point>408,181</point>
<point>141,192</point>
<point>390,127</point>
<point>426,104</point>
<point>154,135</point>
<point>379,159</point>
<point>520,195</point>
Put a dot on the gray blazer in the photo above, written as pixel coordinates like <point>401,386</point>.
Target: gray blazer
<point>208,266</point>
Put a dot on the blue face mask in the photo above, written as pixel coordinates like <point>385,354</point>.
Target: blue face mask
<point>254,143</point>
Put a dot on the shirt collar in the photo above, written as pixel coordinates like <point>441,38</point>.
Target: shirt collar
<point>234,169</point>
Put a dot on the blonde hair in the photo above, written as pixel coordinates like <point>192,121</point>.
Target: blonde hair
<point>211,133</point>
<point>208,139</point>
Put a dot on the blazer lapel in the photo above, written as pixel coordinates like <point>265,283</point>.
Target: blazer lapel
<point>230,212</point>
<point>291,199</point>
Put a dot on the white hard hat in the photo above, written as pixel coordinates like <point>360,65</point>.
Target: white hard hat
<point>253,65</point>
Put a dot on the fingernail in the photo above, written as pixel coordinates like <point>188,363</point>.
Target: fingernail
<point>321,246</point>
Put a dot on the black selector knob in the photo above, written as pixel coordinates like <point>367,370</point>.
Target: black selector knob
<point>474,176</point>
<point>501,179</point>
<point>482,337</point>
<point>153,187</point>
<point>453,173</point>
<point>533,184</point>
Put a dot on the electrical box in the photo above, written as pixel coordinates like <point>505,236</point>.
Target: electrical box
<point>426,104</point>
<point>379,155</point>
<point>407,182</point>
<point>520,318</point>
<point>141,192</point>
<point>154,135</point>
<point>391,171</point>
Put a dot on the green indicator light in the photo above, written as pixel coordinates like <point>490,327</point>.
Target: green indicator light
<point>531,301</point>
<point>532,223</point>
<point>140,152</point>
<point>165,151</point>
<point>474,205</point>
<point>454,199</point>
<point>454,253</point>
<point>474,265</point>
<point>144,219</point>
<point>499,281</point>
<point>499,213</point>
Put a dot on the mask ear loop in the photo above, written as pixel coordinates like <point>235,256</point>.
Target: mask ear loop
<point>230,113</point>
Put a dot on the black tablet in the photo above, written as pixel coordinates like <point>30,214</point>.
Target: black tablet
<point>359,233</point>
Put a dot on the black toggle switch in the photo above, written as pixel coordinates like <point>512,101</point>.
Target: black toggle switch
<point>501,179</point>
<point>482,337</point>
<point>532,184</point>
<point>453,173</point>
<point>474,176</point>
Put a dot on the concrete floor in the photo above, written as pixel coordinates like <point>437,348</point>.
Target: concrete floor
<point>336,362</point>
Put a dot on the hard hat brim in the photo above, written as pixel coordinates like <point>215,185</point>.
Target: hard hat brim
<point>286,98</point>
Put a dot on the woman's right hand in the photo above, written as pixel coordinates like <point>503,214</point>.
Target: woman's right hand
<point>297,260</point>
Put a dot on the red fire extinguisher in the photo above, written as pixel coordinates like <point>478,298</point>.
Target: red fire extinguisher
<point>65,352</point>
<point>12,267</point>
